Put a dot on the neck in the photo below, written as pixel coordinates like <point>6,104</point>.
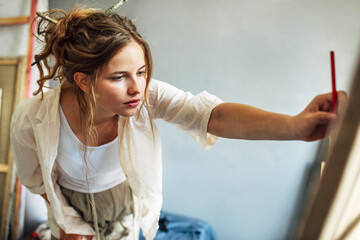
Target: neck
<point>104,124</point>
<point>102,117</point>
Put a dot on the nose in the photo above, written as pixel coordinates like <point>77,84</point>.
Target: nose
<point>134,87</point>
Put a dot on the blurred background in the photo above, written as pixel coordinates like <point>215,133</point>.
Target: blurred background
<point>270,54</point>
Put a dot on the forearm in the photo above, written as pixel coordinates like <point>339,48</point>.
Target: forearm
<point>233,120</point>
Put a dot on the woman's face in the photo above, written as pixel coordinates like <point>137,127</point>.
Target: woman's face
<point>122,83</point>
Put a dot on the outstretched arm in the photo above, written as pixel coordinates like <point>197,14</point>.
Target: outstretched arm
<point>232,120</point>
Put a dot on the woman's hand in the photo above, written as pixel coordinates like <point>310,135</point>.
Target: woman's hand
<point>65,236</point>
<point>316,121</point>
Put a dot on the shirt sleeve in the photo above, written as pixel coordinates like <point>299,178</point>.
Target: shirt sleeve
<point>188,112</point>
<point>24,154</point>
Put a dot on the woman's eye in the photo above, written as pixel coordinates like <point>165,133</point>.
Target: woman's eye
<point>117,78</point>
<point>141,73</point>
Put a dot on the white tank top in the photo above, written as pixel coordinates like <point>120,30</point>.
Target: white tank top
<point>104,169</point>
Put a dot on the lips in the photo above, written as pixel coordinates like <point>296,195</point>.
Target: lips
<point>132,103</point>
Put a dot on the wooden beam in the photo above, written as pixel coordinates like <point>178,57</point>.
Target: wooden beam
<point>4,168</point>
<point>10,61</point>
<point>14,21</point>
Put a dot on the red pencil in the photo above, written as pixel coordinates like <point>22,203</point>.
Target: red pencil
<point>333,82</point>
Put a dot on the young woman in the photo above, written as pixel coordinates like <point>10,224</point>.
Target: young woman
<point>90,147</point>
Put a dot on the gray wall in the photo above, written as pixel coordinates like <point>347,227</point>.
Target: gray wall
<point>270,54</point>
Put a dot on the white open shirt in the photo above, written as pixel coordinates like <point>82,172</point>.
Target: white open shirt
<point>35,130</point>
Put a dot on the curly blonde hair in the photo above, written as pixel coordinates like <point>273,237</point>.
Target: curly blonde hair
<point>84,40</point>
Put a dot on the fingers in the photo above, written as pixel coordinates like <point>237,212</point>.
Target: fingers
<point>324,117</point>
<point>65,236</point>
<point>74,237</point>
<point>318,120</point>
<point>316,125</point>
<point>323,102</point>
<point>320,103</point>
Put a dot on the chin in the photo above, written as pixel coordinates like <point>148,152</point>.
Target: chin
<point>127,114</point>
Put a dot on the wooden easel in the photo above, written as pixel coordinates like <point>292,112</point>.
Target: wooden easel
<point>11,194</point>
<point>322,215</point>
<point>14,70</point>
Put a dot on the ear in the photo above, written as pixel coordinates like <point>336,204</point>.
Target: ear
<point>82,80</point>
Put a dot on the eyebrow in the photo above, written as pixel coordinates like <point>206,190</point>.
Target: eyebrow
<point>122,72</point>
